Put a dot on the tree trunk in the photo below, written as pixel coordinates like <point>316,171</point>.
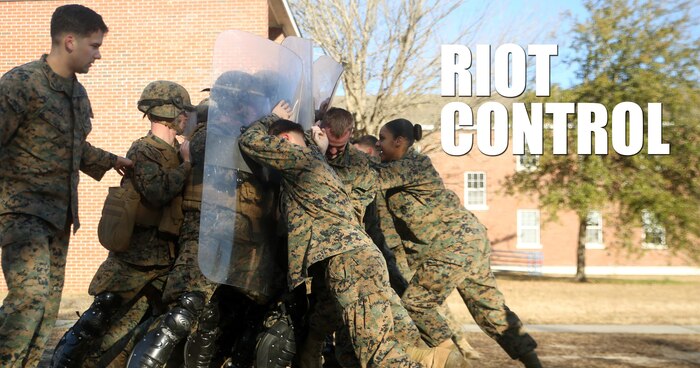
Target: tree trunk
<point>581,251</point>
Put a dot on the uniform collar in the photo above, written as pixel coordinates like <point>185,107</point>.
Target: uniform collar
<point>57,82</point>
<point>343,159</point>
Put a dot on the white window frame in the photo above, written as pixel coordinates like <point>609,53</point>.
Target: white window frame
<point>598,227</point>
<point>532,245</point>
<point>649,224</point>
<point>475,207</point>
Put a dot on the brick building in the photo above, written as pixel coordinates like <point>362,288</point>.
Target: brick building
<point>517,223</point>
<point>148,40</point>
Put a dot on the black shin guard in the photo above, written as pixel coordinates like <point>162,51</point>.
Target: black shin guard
<point>86,334</point>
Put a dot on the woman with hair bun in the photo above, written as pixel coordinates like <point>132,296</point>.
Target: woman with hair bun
<point>446,246</point>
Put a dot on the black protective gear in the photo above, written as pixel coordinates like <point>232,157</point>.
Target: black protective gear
<point>530,360</point>
<point>513,341</point>
<point>155,348</point>
<point>201,345</point>
<point>277,346</point>
<point>87,332</point>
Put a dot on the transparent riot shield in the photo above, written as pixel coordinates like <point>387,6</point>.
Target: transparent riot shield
<point>304,49</point>
<point>236,241</point>
<point>326,77</point>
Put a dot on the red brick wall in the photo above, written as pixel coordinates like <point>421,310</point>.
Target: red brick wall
<point>148,40</point>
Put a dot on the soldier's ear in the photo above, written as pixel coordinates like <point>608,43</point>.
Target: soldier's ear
<point>69,42</point>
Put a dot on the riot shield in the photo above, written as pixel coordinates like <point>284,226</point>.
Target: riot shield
<point>304,49</point>
<point>236,241</point>
<point>326,77</point>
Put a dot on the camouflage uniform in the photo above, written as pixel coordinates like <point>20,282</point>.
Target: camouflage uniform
<point>448,248</point>
<point>44,121</point>
<point>360,180</point>
<point>159,177</point>
<point>324,232</point>
<point>185,275</point>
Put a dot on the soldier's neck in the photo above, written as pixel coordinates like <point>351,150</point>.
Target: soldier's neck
<point>59,65</point>
<point>163,132</point>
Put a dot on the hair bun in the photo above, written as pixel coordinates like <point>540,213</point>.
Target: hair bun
<point>417,132</point>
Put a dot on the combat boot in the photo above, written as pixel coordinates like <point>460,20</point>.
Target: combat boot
<point>468,352</point>
<point>530,360</point>
<point>437,357</point>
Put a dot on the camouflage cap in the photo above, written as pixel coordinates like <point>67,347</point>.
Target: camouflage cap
<point>164,99</point>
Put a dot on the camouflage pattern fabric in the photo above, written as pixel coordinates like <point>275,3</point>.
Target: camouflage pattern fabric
<point>34,270</point>
<point>448,248</point>
<point>322,225</point>
<point>45,120</point>
<point>159,177</point>
<point>352,166</point>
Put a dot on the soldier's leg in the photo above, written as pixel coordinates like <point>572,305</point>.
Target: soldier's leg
<point>431,284</point>
<point>359,283</point>
<point>487,305</point>
<point>34,273</point>
<point>117,286</point>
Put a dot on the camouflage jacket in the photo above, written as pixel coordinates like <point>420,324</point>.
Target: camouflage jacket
<point>159,177</point>
<point>359,179</point>
<point>425,213</point>
<point>321,220</point>
<point>44,121</point>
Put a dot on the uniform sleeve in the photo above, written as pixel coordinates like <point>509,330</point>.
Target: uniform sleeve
<point>270,150</point>
<point>404,173</point>
<point>13,107</point>
<point>95,162</point>
<point>156,184</point>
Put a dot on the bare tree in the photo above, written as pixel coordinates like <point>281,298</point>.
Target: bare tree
<point>389,49</point>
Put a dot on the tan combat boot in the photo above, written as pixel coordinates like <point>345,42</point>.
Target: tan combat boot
<point>465,348</point>
<point>438,357</point>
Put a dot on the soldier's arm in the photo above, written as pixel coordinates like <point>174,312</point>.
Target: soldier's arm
<point>156,184</point>
<point>95,162</point>
<point>270,150</point>
<point>13,107</point>
<point>403,173</point>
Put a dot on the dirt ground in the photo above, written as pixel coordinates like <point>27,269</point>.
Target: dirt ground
<point>559,300</point>
<point>554,300</point>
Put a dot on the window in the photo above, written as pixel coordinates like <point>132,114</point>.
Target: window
<point>654,235</point>
<point>594,230</point>
<point>475,190</point>
<point>527,162</point>
<point>529,229</point>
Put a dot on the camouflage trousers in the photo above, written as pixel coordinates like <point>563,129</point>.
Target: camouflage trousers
<point>139,289</point>
<point>465,266</point>
<point>358,292</point>
<point>185,275</point>
<point>33,263</point>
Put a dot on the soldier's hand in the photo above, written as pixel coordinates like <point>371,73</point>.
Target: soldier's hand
<point>320,138</point>
<point>122,164</point>
<point>282,110</point>
<point>185,150</point>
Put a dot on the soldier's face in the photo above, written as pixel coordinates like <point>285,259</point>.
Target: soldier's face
<point>336,145</point>
<point>388,146</point>
<point>85,50</point>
